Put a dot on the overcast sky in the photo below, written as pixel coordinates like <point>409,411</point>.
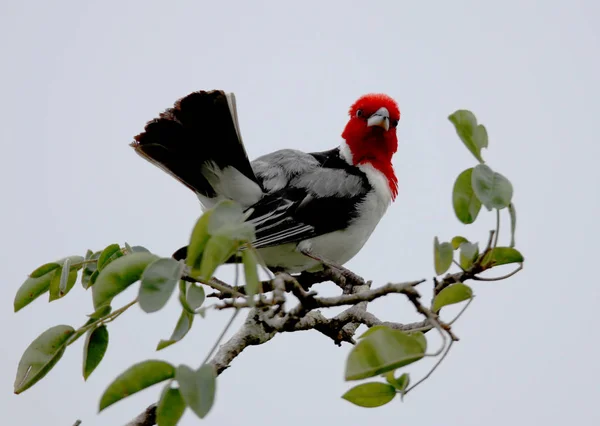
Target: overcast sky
<point>78,80</point>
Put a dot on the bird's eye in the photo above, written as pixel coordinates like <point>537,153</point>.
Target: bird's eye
<point>359,113</point>
<point>394,123</point>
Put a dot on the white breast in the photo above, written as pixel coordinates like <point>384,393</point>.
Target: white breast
<point>339,246</point>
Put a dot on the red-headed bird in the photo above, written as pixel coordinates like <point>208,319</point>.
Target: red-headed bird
<point>325,204</point>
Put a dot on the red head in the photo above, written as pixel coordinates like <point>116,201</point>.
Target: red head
<point>371,134</point>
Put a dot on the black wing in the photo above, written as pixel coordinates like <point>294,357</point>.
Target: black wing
<point>320,194</point>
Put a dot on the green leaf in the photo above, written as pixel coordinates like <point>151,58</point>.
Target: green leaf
<point>372,330</point>
<point>107,255</point>
<point>170,407</point>
<point>513,223</point>
<point>198,241</point>
<point>44,269</point>
<point>62,282</point>
<point>502,256</point>
<point>158,282</point>
<point>184,324</point>
<point>400,383</point>
<point>100,312</point>
<point>474,136</point>
<point>383,349</point>
<point>94,349</point>
<point>40,279</point>
<point>136,378</point>
<point>492,189</point>
<point>118,275</point>
<point>89,269</point>
<point>455,293</point>
<point>218,249</point>
<point>372,394</point>
<point>442,254</point>
<point>197,387</point>
<point>182,297</point>
<point>31,289</point>
<point>41,355</point>
<point>250,271</point>
<point>139,249</point>
<point>195,296</point>
<point>465,202</point>
<point>228,219</point>
<point>468,254</point>
<point>457,241</point>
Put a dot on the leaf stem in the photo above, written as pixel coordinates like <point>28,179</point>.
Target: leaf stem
<point>464,308</point>
<point>214,348</point>
<point>497,228</point>
<point>100,321</point>
<point>437,364</point>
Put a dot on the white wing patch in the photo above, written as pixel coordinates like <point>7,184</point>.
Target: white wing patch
<point>229,183</point>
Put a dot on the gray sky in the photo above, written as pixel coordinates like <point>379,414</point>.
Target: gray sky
<point>79,80</point>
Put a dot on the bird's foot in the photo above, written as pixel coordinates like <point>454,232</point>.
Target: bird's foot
<point>348,278</point>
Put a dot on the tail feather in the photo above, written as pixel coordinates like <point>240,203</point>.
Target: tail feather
<point>200,133</point>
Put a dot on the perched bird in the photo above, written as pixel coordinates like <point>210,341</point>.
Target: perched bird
<point>307,208</point>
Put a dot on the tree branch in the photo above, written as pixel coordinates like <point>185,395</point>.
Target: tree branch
<point>268,316</point>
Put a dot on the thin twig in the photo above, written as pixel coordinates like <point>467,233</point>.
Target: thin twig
<point>432,370</point>
<point>503,277</point>
<point>212,350</point>
<point>464,308</point>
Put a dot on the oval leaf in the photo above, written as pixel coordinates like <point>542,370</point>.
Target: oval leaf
<point>228,220</point>
<point>455,293</point>
<point>158,282</point>
<point>139,249</point>
<point>94,349</point>
<point>107,255</point>
<point>383,350</point>
<point>31,289</point>
<point>197,387</point>
<point>400,383</point>
<point>218,249</point>
<point>465,202</point>
<point>502,256</point>
<point>468,253</point>
<point>119,275</point>
<point>184,324</point>
<point>442,255</point>
<point>250,271</point>
<point>198,241</point>
<point>41,355</point>
<point>89,269</point>
<point>457,241</point>
<point>372,394</point>
<point>170,407</point>
<point>474,136</point>
<point>136,378</point>
<point>44,269</point>
<point>195,296</point>
<point>492,189</point>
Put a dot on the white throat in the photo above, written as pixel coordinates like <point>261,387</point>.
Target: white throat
<point>345,152</point>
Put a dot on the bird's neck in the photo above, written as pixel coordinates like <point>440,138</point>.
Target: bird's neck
<point>377,155</point>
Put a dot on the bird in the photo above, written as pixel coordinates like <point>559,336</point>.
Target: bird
<point>309,209</point>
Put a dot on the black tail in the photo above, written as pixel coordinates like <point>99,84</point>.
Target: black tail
<point>200,129</point>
